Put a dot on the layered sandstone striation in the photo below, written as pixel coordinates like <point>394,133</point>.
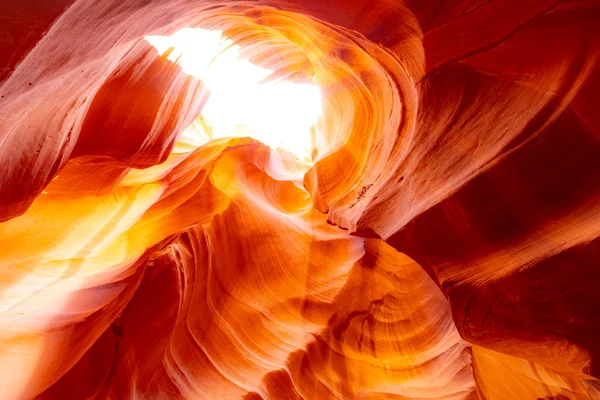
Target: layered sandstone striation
<point>439,240</point>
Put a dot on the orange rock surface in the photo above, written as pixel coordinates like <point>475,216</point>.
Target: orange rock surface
<point>167,233</point>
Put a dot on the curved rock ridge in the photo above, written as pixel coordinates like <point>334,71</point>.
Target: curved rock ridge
<point>434,235</point>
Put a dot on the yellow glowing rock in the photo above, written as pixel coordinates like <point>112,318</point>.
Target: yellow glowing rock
<point>300,200</point>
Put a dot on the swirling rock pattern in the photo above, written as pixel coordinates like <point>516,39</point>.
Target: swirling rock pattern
<point>441,241</point>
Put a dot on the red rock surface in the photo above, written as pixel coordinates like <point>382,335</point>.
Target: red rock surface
<point>441,241</point>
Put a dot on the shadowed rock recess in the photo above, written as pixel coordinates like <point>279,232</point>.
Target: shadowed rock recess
<point>277,199</point>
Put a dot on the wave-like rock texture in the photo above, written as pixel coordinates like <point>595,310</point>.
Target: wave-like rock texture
<point>442,242</point>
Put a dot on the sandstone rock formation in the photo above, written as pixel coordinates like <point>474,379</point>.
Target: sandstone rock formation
<point>438,240</point>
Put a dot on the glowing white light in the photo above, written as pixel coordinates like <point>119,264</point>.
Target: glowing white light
<point>278,113</point>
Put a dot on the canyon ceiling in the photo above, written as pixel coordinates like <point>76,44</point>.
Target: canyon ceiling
<point>320,199</point>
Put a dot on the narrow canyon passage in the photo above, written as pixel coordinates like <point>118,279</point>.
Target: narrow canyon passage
<point>286,199</point>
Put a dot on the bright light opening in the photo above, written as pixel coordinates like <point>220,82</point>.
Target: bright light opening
<point>279,113</point>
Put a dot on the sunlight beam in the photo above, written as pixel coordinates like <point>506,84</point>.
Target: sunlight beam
<point>243,103</point>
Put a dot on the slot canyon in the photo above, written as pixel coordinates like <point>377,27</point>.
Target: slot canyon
<point>300,199</point>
